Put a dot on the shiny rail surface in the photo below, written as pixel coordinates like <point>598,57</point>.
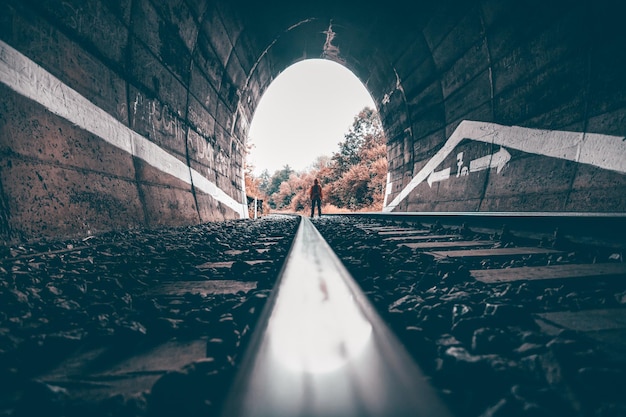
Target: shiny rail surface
<point>320,349</point>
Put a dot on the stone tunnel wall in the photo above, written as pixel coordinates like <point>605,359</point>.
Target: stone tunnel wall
<point>554,67</point>
<point>117,115</point>
<point>134,113</point>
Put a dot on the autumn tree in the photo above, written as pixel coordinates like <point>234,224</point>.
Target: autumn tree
<point>360,166</point>
<point>352,179</point>
<point>272,188</point>
<point>252,183</point>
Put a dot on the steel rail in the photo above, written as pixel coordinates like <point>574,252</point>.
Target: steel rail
<point>602,228</point>
<point>320,349</point>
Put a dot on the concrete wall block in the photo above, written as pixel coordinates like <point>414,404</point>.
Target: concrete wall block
<point>494,11</point>
<point>455,205</point>
<point>611,123</point>
<point>556,86</point>
<point>100,25</point>
<point>217,36</point>
<point>223,120</point>
<point>169,35</point>
<point>157,80</point>
<point>28,131</point>
<point>472,63</point>
<point>68,61</point>
<point>599,181</point>
<point>526,202</point>
<point>606,79</point>
<point>180,21</point>
<point>201,156</point>
<point>425,147</point>
<point>235,70</point>
<point>483,112</point>
<point>200,119</point>
<point>428,120</point>
<point>158,122</point>
<point>463,37</point>
<point>145,24</point>
<point>425,99</point>
<point>229,13</point>
<point>568,116</point>
<point>148,174</point>
<point>222,163</point>
<point>468,98</point>
<point>48,200</point>
<point>395,126</point>
<point>168,206</point>
<point>531,58</point>
<point>412,57</point>
<point>222,141</point>
<point>202,90</point>
<point>421,78</point>
<point>206,59</point>
<point>511,24</point>
<point>226,185</point>
<point>211,210</point>
<point>229,96</point>
<point>612,200</point>
<point>532,175</point>
<point>443,21</point>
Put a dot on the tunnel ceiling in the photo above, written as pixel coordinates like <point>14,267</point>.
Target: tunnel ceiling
<point>182,78</point>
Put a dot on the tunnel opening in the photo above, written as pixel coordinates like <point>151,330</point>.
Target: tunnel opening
<point>316,120</point>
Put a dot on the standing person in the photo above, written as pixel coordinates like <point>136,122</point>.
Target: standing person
<point>316,198</point>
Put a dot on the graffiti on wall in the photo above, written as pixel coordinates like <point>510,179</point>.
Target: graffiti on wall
<point>497,160</point>
<point>602,151</point>
<point>30,80</point>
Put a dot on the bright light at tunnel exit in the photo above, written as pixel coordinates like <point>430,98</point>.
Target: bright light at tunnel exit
<point>304,114</point>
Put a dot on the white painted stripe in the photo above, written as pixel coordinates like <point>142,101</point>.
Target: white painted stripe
<point>603,151</point>
<point>30,80</point>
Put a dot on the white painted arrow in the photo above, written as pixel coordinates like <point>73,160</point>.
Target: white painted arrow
<point>602,151</point>
<point>438,176</point>
<point>498,160</point>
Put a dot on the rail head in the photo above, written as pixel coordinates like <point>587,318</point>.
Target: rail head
<point>320,349</point>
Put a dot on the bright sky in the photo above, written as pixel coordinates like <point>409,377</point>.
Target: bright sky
<point>304,114</point>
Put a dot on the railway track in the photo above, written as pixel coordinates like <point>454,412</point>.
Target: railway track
<point>508,314</point>
<point>457,314</point>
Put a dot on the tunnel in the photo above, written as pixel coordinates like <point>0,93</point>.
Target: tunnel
<point>122,114</point>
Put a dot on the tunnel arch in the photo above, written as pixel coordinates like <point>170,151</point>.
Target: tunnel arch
<point>137,110</point>
<point>304,114</point>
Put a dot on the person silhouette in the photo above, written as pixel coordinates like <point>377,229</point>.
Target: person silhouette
<point>316,198</point>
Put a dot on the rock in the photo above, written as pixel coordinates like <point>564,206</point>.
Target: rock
<point>503,408</point>
<point>491,340</point>
<point>527,349</point>
<point>509,315</point>
<point>120,405</point>
<point>405,303</point>
<point>602,383</point>
<point>239,268</point>
<point>464,329</point>
<point>178,393</point>
<point>460,311</point>
<point>41,399</point>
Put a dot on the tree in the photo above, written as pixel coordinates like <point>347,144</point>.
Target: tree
<point>366,125</point>
<point>360,166</point>
<point>252,183</point>
<point>353,178</point>
<point>274,184</point>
